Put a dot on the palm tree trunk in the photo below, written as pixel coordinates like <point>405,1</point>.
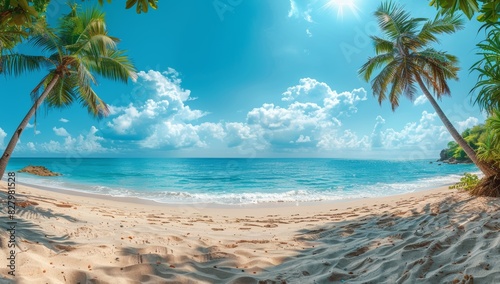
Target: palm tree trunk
<point>17,134</point>
<point>485,168</point>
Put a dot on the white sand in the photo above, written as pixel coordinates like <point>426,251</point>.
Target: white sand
<point>436,236</point>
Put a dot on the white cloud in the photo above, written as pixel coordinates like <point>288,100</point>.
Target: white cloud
<point>301,10</point>
<point>376,138</point>
<point>162,119</point>
<point>165,101</point>
<point>311,90</point>
<point>29,125</point>
<point>181,135</point>
<point>468,123</point>
<point>311,119</point>
<point>31,146</point>
<point>343,140</point>
<point>308,118</point>
<point>426,135</point>
<point>88,143</point>
<point>420,100</point>
<point>243,136</point>
<point>303,139</point>
<point>60,131</point>
<point>2,137</point>
<point>294,11</point>
<point>64,120</point>
<point>308,33</point>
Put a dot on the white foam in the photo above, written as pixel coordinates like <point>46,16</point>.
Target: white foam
<point>254,197</point>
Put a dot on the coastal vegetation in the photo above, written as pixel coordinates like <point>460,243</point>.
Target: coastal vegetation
<point>486,92</point>
<point>467,182</point>
<point>78,49</point>
<point>474,136</point>
<point>488,10</point>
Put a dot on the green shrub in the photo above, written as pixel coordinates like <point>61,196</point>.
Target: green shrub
<point>467,182</point>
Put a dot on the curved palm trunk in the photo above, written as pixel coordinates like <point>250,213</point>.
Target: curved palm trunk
<point>485,168</point>
<point>17,134</point>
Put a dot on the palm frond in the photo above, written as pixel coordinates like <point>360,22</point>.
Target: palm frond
<point>114,65</point>
<point>37,91</point>
<point>396,89</point>
<point>446,24</point>
<point>373,63</point>
<point>17,64</point>
<point>395,21</point>
<point>63,94</point>
<point>89,99</point>
<point>80,50</point>
<point>436,68</point>
<point>488,87</point>
<point>46,42</point>
<point>385,78</point>
<point>382,45</point>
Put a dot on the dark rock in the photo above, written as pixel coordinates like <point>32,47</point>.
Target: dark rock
<point>443,156</point>
<point>39,171</point>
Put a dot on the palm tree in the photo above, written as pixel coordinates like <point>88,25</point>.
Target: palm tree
<point>79,48</point>
<point>406,59</point>
<point>488,84</point>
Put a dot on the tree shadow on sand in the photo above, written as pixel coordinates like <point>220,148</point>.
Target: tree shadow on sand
<point>442,242</point>
<point>29,220</point>
<point>409,242</point>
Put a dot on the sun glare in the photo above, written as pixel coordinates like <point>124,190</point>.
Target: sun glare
<point>342,6</point>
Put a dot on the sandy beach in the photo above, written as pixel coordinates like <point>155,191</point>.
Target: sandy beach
<point>435,236</point>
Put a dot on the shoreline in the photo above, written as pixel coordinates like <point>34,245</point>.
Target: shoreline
<point>269,204</point>
<point>410,238</point>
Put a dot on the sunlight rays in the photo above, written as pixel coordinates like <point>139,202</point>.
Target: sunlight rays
<point>342,6</point>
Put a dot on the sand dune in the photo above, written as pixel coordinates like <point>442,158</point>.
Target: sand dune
<point>437,236</point>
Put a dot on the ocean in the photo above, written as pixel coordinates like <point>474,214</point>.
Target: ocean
<point>241,181</point>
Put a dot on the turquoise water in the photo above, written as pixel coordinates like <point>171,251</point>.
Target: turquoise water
<point>242,181</point>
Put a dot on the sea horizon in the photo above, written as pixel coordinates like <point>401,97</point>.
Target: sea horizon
<point>240,181</point>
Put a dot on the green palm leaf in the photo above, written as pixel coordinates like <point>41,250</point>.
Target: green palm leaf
<point>17,64</point>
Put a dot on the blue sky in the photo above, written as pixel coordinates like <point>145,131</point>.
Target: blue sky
<point>244,78</point>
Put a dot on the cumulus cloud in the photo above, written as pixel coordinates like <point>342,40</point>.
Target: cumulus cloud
<point>303,139</point>
<point>294,10</point>
<point>310,90</point>
<point>243,136</point>
<point>31,146</point>
<point>420,100</point>
<point>310,119</point>
<point>162,118</point>
<point>468,123</point>
<point>60,131</point>
<point>346,139</point>
<point>29,125</point>
<point>427,134</point>
<point>300,9</point>
<point>64,120</point>
<point>2,137</point>
<point>376,137</point>
<point>88,143</point>
<point>308,116</point>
